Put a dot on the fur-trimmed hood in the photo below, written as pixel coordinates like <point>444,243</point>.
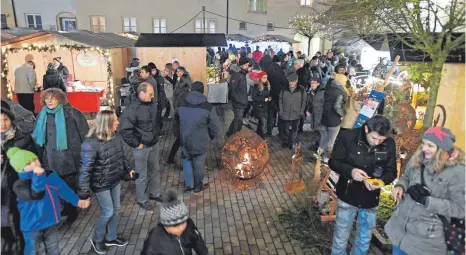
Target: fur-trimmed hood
<point>438,165</point>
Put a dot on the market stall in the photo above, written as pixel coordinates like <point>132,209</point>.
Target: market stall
<point>277,42</point>
<point>96,60</point>
<point>188,49</point>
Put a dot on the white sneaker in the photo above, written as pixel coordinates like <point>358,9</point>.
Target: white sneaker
<point>245,121</point>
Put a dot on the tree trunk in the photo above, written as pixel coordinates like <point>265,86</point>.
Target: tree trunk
<point>434,85</point>
<point>309,47</point>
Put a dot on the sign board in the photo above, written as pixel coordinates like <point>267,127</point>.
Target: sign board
<point>371,103</point>
<point>88,60</point>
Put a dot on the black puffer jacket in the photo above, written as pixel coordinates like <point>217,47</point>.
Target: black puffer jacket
<point>138,123</point>
<point>103,164</point>
<point>63,72</point>
<point>258,97</point>
<point>160,242</point>
<point>238,89</point>
<point>52,79</point>
<point>161,95</point>
<point>65,161</point>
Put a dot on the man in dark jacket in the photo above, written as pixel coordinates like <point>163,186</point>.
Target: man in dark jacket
<point>334,110</point>
<point>238,92</point>
<point>161,96</point>
<point>52,79</point>
<point>199,126</point>
<point>139,129</point>
<point>292,104</point>
<point>360,154</point>
<point>315,110</point>
<point>176,233</point>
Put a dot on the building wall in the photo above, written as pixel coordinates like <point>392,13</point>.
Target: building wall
<point>451,97</point>
<point>49,10</point>
<point>177,12</point>
<point>7,9</point>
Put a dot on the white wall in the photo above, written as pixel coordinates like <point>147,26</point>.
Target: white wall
<point>48,9</point>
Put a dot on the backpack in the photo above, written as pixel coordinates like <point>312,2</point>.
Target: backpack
<point>24,119</point>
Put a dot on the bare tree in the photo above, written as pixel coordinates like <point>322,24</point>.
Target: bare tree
<point>428,26</point>
<point>308,26</point>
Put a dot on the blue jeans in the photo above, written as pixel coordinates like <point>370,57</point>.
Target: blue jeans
<point>147,165</point>
<point>344,225</point>
<point>194,168</point>
<point>397,251</point>
<point>34,238</point>
<point>106,225</point>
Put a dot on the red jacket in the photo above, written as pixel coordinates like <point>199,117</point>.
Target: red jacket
<point>257,55</point>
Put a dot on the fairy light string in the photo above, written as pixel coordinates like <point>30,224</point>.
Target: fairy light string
<point>7,50</point>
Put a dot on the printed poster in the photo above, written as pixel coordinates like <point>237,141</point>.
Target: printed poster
<point>369,108</point>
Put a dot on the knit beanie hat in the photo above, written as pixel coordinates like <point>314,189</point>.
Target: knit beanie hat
<point>173,211</point>
<point>243,61</point>
<point>442,137</point>
<point>19,159</point>
<point>261,74</point>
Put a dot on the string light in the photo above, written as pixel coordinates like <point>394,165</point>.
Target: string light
<point>53,48</point>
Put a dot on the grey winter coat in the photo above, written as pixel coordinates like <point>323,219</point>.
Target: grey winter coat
<point>416,228</point>
<point>25,79</point>
<point>316,106</point>
<point>66,161</point>
<point>292,104</point>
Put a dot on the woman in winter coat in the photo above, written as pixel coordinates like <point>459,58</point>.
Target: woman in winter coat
<point>105,159</point>
<point>182,89</point>
<point>52,79</point>
<point>431,187</point>
<point>60,129</point>
<point>261,101</point>
<point>11,136</point>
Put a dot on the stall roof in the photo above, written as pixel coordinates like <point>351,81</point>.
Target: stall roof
<point>102,40</point>
<point>276,38</point>
<point>238,37</point>
<point>375,41</point>
<point>13,35</point>
<point>409,54</point>
<point>180,40</point>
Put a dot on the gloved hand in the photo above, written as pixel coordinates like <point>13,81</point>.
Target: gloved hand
<point>418,193</point>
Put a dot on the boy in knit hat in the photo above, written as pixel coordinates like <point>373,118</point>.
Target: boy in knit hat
<point>176,233</point>
<point>39,194</point>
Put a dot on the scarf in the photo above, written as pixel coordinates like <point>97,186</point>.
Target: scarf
<point>60,127</point>
<point>7,136</point>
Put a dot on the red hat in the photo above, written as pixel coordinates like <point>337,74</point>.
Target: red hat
<point>261,74</point>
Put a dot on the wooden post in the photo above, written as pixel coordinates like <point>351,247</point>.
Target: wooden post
<point>390,72</point>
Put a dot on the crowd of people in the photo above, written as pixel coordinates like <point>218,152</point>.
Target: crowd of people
<point>61,158</point>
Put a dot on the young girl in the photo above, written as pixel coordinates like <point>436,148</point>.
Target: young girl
<point>105,160</point>
<point>261,99</point>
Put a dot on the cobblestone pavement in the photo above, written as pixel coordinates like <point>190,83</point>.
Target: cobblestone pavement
<point>231,222</point>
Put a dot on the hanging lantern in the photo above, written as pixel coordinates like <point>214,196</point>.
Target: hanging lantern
<point>245,155</point>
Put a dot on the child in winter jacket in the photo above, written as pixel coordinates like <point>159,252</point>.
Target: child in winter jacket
<point>39,194</point>
<point>176,234</point>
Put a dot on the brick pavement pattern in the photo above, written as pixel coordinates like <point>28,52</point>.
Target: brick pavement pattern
<point>231,222</point>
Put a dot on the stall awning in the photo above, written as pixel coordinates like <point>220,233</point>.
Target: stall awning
<point>14,35</point>
<point>409,54</point>
<point>273,38</point>
<point>238,37</point>
<point>102,40</point>
<point>180,40</point>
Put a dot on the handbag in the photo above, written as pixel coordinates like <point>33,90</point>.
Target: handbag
<point>453,230</point>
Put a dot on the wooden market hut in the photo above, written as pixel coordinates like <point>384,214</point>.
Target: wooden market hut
<point>189,49</point>
<point>87,65</point>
